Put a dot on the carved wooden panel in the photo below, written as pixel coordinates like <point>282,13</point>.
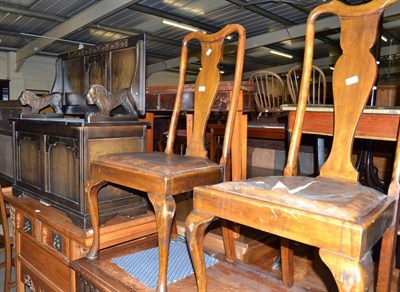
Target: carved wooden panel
<point>122,69</point>
<point>116,65</point>
<point>95,71</point>
<point>73,86</point>
<point>63,164</point>
<point>28,159</point>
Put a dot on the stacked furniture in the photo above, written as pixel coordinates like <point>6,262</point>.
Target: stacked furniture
<point>332,212</point>
<point>97,97</point>
<point>52,153</point>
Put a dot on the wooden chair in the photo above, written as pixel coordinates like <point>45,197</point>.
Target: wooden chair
<point>6,242</point>
<point>165,174</point>
<point>333,211</point>
<point>269,91</point>
<point>317,92</point>
<point>316,96</point>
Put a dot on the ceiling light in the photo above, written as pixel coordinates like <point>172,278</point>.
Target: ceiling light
<point>281,54</point>
<point>332,68</point>
<point>222,72</point>
<point>180,25</point>
<point>384,38</point>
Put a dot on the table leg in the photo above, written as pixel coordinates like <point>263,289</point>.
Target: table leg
<point>212,145</point>
<point>368,172</point>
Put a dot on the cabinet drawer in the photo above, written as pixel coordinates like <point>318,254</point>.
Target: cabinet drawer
<point>45,264</point>
<point>34,281</point>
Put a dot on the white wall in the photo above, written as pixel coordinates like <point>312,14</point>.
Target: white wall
<point>37,73</point>
<point>162,78</point>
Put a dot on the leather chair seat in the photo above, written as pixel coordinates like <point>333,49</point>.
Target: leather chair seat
<point>348,201</point>
<point>168,173</point>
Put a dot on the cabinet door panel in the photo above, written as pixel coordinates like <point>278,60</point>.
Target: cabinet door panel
<point>63,165</point>
<point>29,158</point>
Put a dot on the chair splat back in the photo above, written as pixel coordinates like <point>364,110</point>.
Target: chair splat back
<point>353,78</point>
<point>207,83</point>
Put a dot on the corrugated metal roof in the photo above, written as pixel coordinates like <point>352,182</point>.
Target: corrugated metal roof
<point>38,17</point>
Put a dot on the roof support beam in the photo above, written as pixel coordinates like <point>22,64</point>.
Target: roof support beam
<point>95,12</point>
<point>31,13</point>
<point>260,11</point>
<point>266,39</point>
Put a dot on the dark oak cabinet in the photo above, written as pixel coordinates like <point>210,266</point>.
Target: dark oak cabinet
<point>52,159</point>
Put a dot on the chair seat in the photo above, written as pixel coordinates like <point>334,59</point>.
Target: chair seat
<point>343,200</point>
<point>158,170</point>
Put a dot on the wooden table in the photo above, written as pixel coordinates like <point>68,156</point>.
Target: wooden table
<point>161,99</point>
<point>263,128</point>
<point>376,123</point>
<point>46,241</point>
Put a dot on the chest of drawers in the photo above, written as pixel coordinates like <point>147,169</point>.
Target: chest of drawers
<point>46,241</point>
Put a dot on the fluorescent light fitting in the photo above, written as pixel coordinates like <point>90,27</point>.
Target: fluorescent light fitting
<point>56,39</point>
<point>222,72</point>
<point>180,25</point>
<point>281,54</point>
<point>384,38</point>
<point>332,68</point>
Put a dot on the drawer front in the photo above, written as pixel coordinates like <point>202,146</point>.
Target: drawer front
<point>45,264</point>
<point>34,281</point>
